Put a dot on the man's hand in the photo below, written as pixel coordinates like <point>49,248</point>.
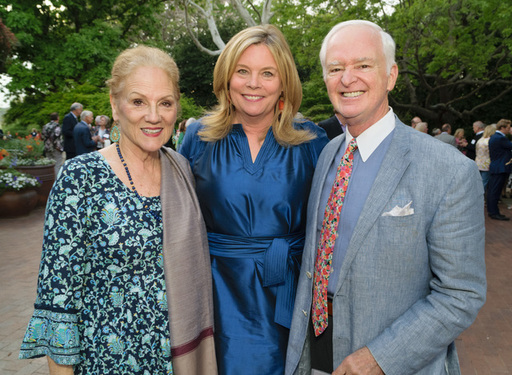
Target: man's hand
<point>360,362</point>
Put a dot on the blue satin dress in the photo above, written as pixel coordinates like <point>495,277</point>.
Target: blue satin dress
<point>255,214</point>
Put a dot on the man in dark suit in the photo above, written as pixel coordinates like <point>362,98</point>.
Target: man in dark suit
<point>84,143</point>
<point>68,125</point>
<point>500,150</point>
<point>332,126</point>
<point>478,129</point>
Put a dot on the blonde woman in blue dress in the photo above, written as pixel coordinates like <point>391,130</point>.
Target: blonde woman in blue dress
<point>253,162</point>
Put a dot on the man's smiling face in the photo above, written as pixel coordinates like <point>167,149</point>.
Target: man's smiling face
<point>356,77</point>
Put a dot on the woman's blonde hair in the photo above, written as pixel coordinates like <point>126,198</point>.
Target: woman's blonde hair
<point>459,133</point>
<point>133,58</point>
<point>489,130</point>
<point>219,121</point>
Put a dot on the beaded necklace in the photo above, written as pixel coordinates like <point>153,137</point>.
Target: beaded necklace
<point>132,185</point>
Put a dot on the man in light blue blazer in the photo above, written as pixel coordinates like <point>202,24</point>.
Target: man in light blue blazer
<point>408,271</point>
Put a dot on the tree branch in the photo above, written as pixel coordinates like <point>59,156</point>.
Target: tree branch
<point>244,13</point>
<point>267,12</point>
<point>495,98</point>
<point>212,27</point>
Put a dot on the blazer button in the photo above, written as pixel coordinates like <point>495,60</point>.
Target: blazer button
<point>308,274</point>
<point>305,313</point>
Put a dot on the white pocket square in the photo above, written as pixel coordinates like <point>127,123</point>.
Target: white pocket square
<point>400,211</point>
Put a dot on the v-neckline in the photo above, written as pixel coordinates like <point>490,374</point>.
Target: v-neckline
<point>249,165</point>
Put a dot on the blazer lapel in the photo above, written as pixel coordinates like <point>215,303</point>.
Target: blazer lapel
<point>390,173</point>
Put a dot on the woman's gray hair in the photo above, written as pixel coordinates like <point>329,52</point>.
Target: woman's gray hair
<point>388,44</point>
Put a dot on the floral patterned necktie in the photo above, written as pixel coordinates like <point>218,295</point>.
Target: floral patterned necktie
<point>328,236</point>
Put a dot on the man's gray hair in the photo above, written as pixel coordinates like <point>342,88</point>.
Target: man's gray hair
<point>75,106</point>
<point>479,124</point>
<point>84,114</point>
<point>388,44</point>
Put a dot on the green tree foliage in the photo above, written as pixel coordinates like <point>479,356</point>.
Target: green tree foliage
<point>189,109</point>
<point>66,48</point>
<point>76,40</point>
<point>454,58</point>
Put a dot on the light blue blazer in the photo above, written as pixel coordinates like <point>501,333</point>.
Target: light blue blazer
<point>409,285</point>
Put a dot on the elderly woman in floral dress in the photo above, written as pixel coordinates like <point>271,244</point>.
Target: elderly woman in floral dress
<point>124,284</point>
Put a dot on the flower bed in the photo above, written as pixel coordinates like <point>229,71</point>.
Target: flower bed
<point>23,151</point>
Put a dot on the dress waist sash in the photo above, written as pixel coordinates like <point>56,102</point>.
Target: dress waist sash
<point>278,264</point>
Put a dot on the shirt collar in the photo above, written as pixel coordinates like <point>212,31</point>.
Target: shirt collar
<point>371,138</point>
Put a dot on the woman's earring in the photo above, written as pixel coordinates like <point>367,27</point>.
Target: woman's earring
<point>281,104</point>
<point>115,134</point>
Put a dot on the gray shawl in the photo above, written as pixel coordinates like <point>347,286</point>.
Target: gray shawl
<point>187,270</point>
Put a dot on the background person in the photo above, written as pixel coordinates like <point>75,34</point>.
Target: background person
<point>51,135</point>
<point>483,159</point>
<point>125,282</point>
<point>415,121</point>
<point>446,135</point>
<point>94,128</point>
<point>333,126</point>
<point>253,166</point>
<point>500,151</point>
<point>389,289</point>
<point>103,131</point>
<point>68,125</point>
<point>422,127</point>
<point>478,129</point>
<point>460,140</point>
<point>84,142</point>
<point>180,133</point>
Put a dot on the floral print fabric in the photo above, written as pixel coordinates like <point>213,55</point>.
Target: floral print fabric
<point>51,134</point>
<point>482,159</point>
<point>101,300</point>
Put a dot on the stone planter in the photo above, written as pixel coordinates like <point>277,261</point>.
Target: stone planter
<point>17,203</point>
<point>46,175</point>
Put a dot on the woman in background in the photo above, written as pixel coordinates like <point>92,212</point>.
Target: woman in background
<point>460,140</point>
<point>483,159</point>
<point>103,130</point>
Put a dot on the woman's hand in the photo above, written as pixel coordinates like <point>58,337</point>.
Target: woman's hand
<point>56,369</point>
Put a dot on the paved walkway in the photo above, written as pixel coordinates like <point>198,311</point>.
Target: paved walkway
<point>484,349</point>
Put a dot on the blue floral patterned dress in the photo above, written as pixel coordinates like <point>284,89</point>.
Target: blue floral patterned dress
<point>101,300</point>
